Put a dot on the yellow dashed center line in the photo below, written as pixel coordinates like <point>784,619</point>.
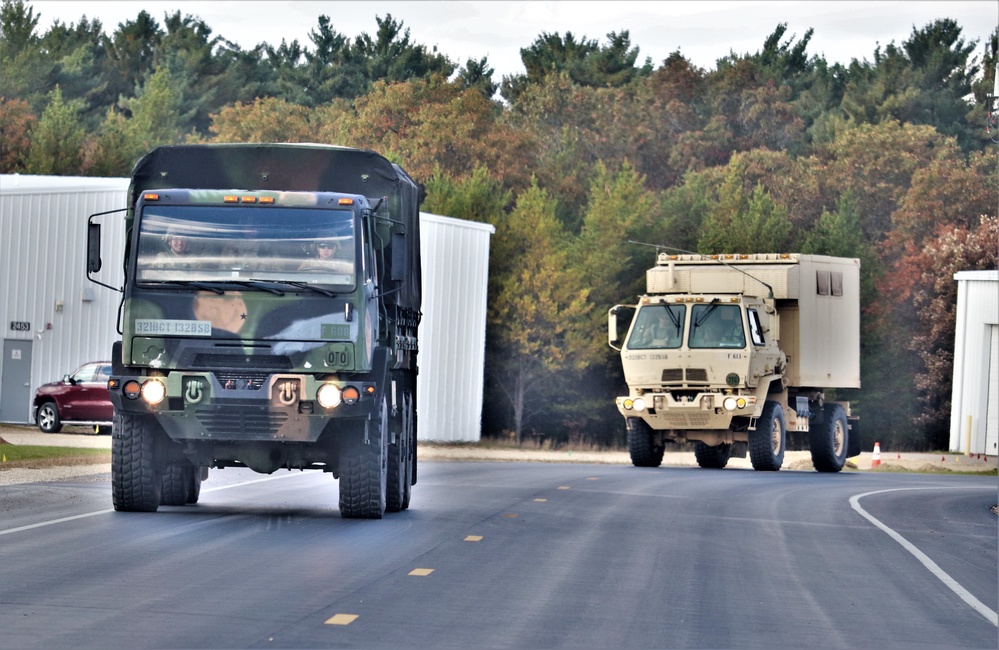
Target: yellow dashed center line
<point>421,572</point>
<point>540,500</point>
<point>474,538</point>
<point>341,619</point>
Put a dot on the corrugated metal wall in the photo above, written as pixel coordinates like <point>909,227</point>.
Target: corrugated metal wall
<point>975,398</point>
<point>43,231</point>
<point>43,223</point>
<point>452,333</point>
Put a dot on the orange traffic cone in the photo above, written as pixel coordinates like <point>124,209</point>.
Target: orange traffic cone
<point>876,458</point>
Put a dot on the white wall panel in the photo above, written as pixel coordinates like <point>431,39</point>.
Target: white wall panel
<point>452,333</point>
<point>975,392</point>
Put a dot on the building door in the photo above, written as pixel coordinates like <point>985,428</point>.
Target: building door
<point>15,381</point>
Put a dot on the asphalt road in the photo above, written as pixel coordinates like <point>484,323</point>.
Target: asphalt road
<point>510,555</point>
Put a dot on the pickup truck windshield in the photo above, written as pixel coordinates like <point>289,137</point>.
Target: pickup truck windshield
<point>206,244</point>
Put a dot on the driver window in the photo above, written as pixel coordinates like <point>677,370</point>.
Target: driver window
<point>755,328</point>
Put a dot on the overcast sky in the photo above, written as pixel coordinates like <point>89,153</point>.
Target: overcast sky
<point>703,31</point>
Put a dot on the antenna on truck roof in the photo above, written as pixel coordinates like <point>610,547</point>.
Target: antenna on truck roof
<point>707,257</point>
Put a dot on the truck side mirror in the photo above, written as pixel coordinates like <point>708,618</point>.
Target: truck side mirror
<point>611,327</point>
<point>93,247</point>
<point>400,257</point>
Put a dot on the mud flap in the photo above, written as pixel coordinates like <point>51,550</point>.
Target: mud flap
<point>853,438</point>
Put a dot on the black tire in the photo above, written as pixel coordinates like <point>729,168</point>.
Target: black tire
<point>712,457</point>
<point>176,484</point>
<point>768,441</point>
<point>194,493</point>
<point>829,439</point>
<point>644,453</point>
<point>364,471</point>
<point>104,430</point>
<point>48,419</point>
<point>400,460</point>
<point>136,482</point>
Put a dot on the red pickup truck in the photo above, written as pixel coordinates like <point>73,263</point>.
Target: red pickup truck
<point>79,399</point>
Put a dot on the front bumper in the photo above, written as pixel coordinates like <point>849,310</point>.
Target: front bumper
<point>705,410</point>
<point>246,408</point>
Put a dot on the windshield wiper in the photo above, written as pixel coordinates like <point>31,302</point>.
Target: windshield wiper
<point>197,285</point>
<point>707,313</point>
<point>258,284</point>
<point>301,285</point>
<point>220,286</point>
<point>673,317</point>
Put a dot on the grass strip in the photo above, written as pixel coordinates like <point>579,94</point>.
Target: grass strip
<point>37,457</point>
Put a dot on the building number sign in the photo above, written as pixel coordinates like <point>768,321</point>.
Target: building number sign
<point>20,326</point>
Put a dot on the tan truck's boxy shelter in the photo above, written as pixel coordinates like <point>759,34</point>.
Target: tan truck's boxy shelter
<point>817,300</point>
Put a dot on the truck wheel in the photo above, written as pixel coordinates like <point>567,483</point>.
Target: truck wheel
<point>828,439</point>
<point>712,457</point>
<point>644,453</point>
<point>399,466</point>
<point>48,418</point>
<point>766,444</point>
<point>194,493</point>
<point>364,471</point>
<point>136,483</point>
<point>176,485</point>
<point>410,458</point>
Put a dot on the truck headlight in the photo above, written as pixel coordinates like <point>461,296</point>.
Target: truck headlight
<point>153,391</point>
<point>637,404</point>
<point>733,403</point>
<point>328,396</point>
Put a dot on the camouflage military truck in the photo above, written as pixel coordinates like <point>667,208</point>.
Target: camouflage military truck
<point>735,353</point>
<point>269,320</point>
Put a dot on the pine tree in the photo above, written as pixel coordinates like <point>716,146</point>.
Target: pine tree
<point>537,310</point>
<point>57,141</point>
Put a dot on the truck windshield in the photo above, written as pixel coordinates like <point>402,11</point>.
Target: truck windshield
<point>716,326</point>
<point>658,326</point>
<point>205,244</point>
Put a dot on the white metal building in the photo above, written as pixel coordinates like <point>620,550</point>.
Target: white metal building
<point>449,387</point>
<point>974,418</point>
<point>54,319</point>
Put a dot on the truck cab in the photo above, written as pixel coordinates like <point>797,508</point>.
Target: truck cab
<point>704,359</point>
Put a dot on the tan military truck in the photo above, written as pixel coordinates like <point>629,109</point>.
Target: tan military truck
<point>735,353</point>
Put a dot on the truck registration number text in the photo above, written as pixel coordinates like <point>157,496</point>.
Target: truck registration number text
<point>176,327</point>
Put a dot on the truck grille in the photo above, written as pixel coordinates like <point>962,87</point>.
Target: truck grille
<point>697,374</point>
<point>240,421</point>
<point>685,420</point>
<point>236,380</point>
<point>673,375</point>
<point>242,361</point>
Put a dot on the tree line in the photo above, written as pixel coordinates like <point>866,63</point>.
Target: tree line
<point>778,150</point>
